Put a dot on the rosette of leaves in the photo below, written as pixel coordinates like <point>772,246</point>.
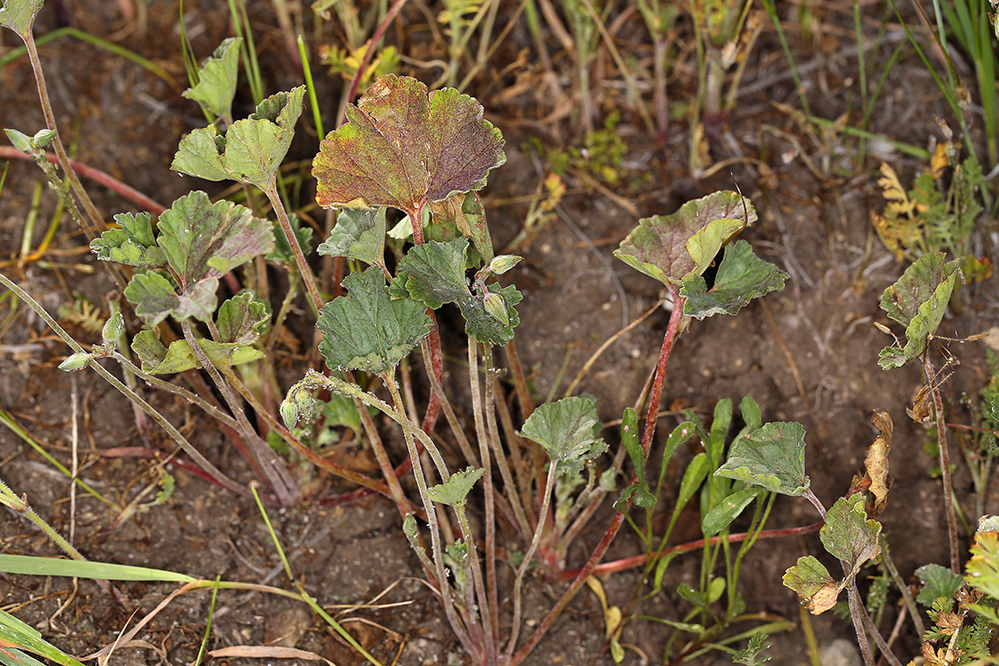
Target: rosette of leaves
<point>195,243</point>
<point>677,249</point>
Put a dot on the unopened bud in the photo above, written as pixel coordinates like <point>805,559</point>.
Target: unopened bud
<point>112,330</point>
<point>496,308</point>
<point>503,262</point>
<point>75,362</point>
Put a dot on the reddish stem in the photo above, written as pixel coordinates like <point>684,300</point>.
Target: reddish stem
<point>96,175</point>
<point>672,333</point>
<point>638,560</point>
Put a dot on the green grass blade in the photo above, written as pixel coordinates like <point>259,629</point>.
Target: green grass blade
<point>50,566</point>
<point>13,633</point>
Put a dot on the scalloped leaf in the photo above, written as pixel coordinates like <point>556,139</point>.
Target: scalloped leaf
<point>159,360</point>
<point>133,244</point>
<point>154,298</point>
<point>242,319</point>
<point>454,492</point>
<point>670,248</point>
<point>849,535</point>
<point>814,585</point>
<point>251,150</point>
<point>19,15</point>
<point>983,567</point>
<point>434,273</point>
<point>359,234</point>
<point>918,301</point>
<point>772,456</point>
<point>567,429</point>
<point>741,277</point>
<point>204,240</point>
<point>367,330</point>
<point>403,148</point>
<point>217,80</point>
<point>938,581</point>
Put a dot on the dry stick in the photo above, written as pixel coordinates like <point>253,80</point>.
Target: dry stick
<point>928,371</point>
<point>910,603</point>
<point>196,455</point>
<point>274,469</point>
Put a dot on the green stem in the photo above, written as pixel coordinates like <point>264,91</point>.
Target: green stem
<point>303,266</point>
<point>188,448</point>
<point>18,505</point>
<point>519,580</point>
<point>435,536</point>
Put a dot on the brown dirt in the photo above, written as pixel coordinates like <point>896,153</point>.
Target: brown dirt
<point>813,224</point>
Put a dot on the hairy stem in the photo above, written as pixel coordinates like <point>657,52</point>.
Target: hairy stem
<point>929,373</point>
<point>303,266</point>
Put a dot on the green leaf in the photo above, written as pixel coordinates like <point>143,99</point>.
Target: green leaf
<point>730,508</point>
<point>157,359</point>
<point>813,584</point>
<point>918,300</point>
<point>200,154</point>
<point>937,581</point>
<point>741,277</point>
<point>751,414</point>
<point>455,491</point>
<point>154,298</point>
<point>567,429</point>
<point>19,15</point>
<point>848,534</point>
<point>367,330</point>
<point>242,319</point>
<point>14,632</point>
<point>252,149</point>
<point>217,80</point>
<point>132,244</point>
<point>697,470</point>
<point>205,240</point>
<point>403,148</point>
<point>434,273</point>
<point>27,565</point>
<point>660,246</point>
<point>772,456</point>
<point>359,234</point>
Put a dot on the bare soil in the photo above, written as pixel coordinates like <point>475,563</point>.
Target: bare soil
<point>808,354</point>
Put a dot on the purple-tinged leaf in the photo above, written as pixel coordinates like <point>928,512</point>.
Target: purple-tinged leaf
<point>241,319</point>
<point>205,240</point>
<point>403,148</point>
<point>154,298</point>
<point>670,248</point>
